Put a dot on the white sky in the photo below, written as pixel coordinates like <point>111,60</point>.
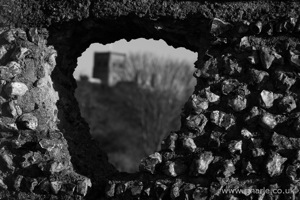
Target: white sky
<point>157,47</point>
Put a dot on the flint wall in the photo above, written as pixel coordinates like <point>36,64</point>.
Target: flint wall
<point>240,128</point>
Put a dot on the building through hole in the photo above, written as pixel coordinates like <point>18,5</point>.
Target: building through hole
<point>128,99</point>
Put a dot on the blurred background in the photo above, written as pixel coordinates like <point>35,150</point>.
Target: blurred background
<point>131,94</point>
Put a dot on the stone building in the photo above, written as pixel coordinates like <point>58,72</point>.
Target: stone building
<point>108,67</point>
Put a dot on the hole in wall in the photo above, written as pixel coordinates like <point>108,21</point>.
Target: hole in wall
<point>131,94</point>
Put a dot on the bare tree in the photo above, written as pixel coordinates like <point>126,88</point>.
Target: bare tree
<point>134,116</point>
<point>166,85</point>
<point>159,74</point>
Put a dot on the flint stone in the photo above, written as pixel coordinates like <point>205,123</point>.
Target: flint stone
<point>168,155</point>
<point>293,191</point>
<point>120,188</point>
<point>20,53</point>
<point>2,83</point>
<point>57,167</point>
<point>17,182</point>
<point>222,119</point>
<point>275,164</point>
<point>274,196</point>
<point>7,158</point>
<point>231,65</point>
<point>211,97</point>
<point>136,188</point>
<point>83,185</point>
<point>231,197</point>
<point>15,89</point>
<point>14,68</point>
<point>170,142</point>
<point>188,189</point>
<point>238,103</point>
<point>3,51</point>
<point>33,35</point>
<point>13,109</point>
<point>279,27</point>
<point>3,185</point>
<point>291,172</point>
<point>283,142</point>
<point>298,155</point>
<point>297,27</point>
<point>196,122</point>
<point>11,126</point>
<point>5,73</point>
<point>267,57</point>
<point>256,142</point>
<point>257,152</point>
<point>289,24</point>
<point>215,189</point>
<point>20,34</point>
<point>9,36</point>
<point>269,28</point>
<point>244,27</point>
<point>68,188</point>
<point>198,104</point>
<point>288,103</point>
<point>294,59</point>
<point>44,186</point>
<point>278,59</point>
<point>216,137</point>
<point>253,58</point>
<point>27,121</point>
<point>296,125</point>
<point>284,80</point>
<point>210,70</point>
<point>254,113</point>
<point>242,90</point>
<point>32,183</point>
<point>218,27</point>
<point>262,196</point>
<point>200,193</point>
<point>110,189</point>
<point>189,144</point>
<point>266,99</point>
<point>201,164</point>
<point>31,158</point>
<point>51,57</point>
<point>18,110</point>
<point>246,134</point>
<point>229,86</point>
<point>149,163</point>
<point>249,168</point>
<point>258,76</point>
<point>256,27</point>
<point>295,142</point>
<point>49,144</point>
<point>147,191</point>
<point>244,43</point>
<point>160,189</point>
<point>235,146</point>
<point>175,168</point>
<point>229,168</point>
<point>268,121</point>
<point>175,190</point>
<point>55,186</point>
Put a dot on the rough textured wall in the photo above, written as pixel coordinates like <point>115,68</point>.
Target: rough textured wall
<point>35,160</point>
<point>239,128</point>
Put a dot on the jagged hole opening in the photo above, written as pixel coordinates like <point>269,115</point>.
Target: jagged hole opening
<point>131,95</point>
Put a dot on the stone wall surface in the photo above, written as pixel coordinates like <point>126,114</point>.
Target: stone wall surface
<point>240,127</point>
